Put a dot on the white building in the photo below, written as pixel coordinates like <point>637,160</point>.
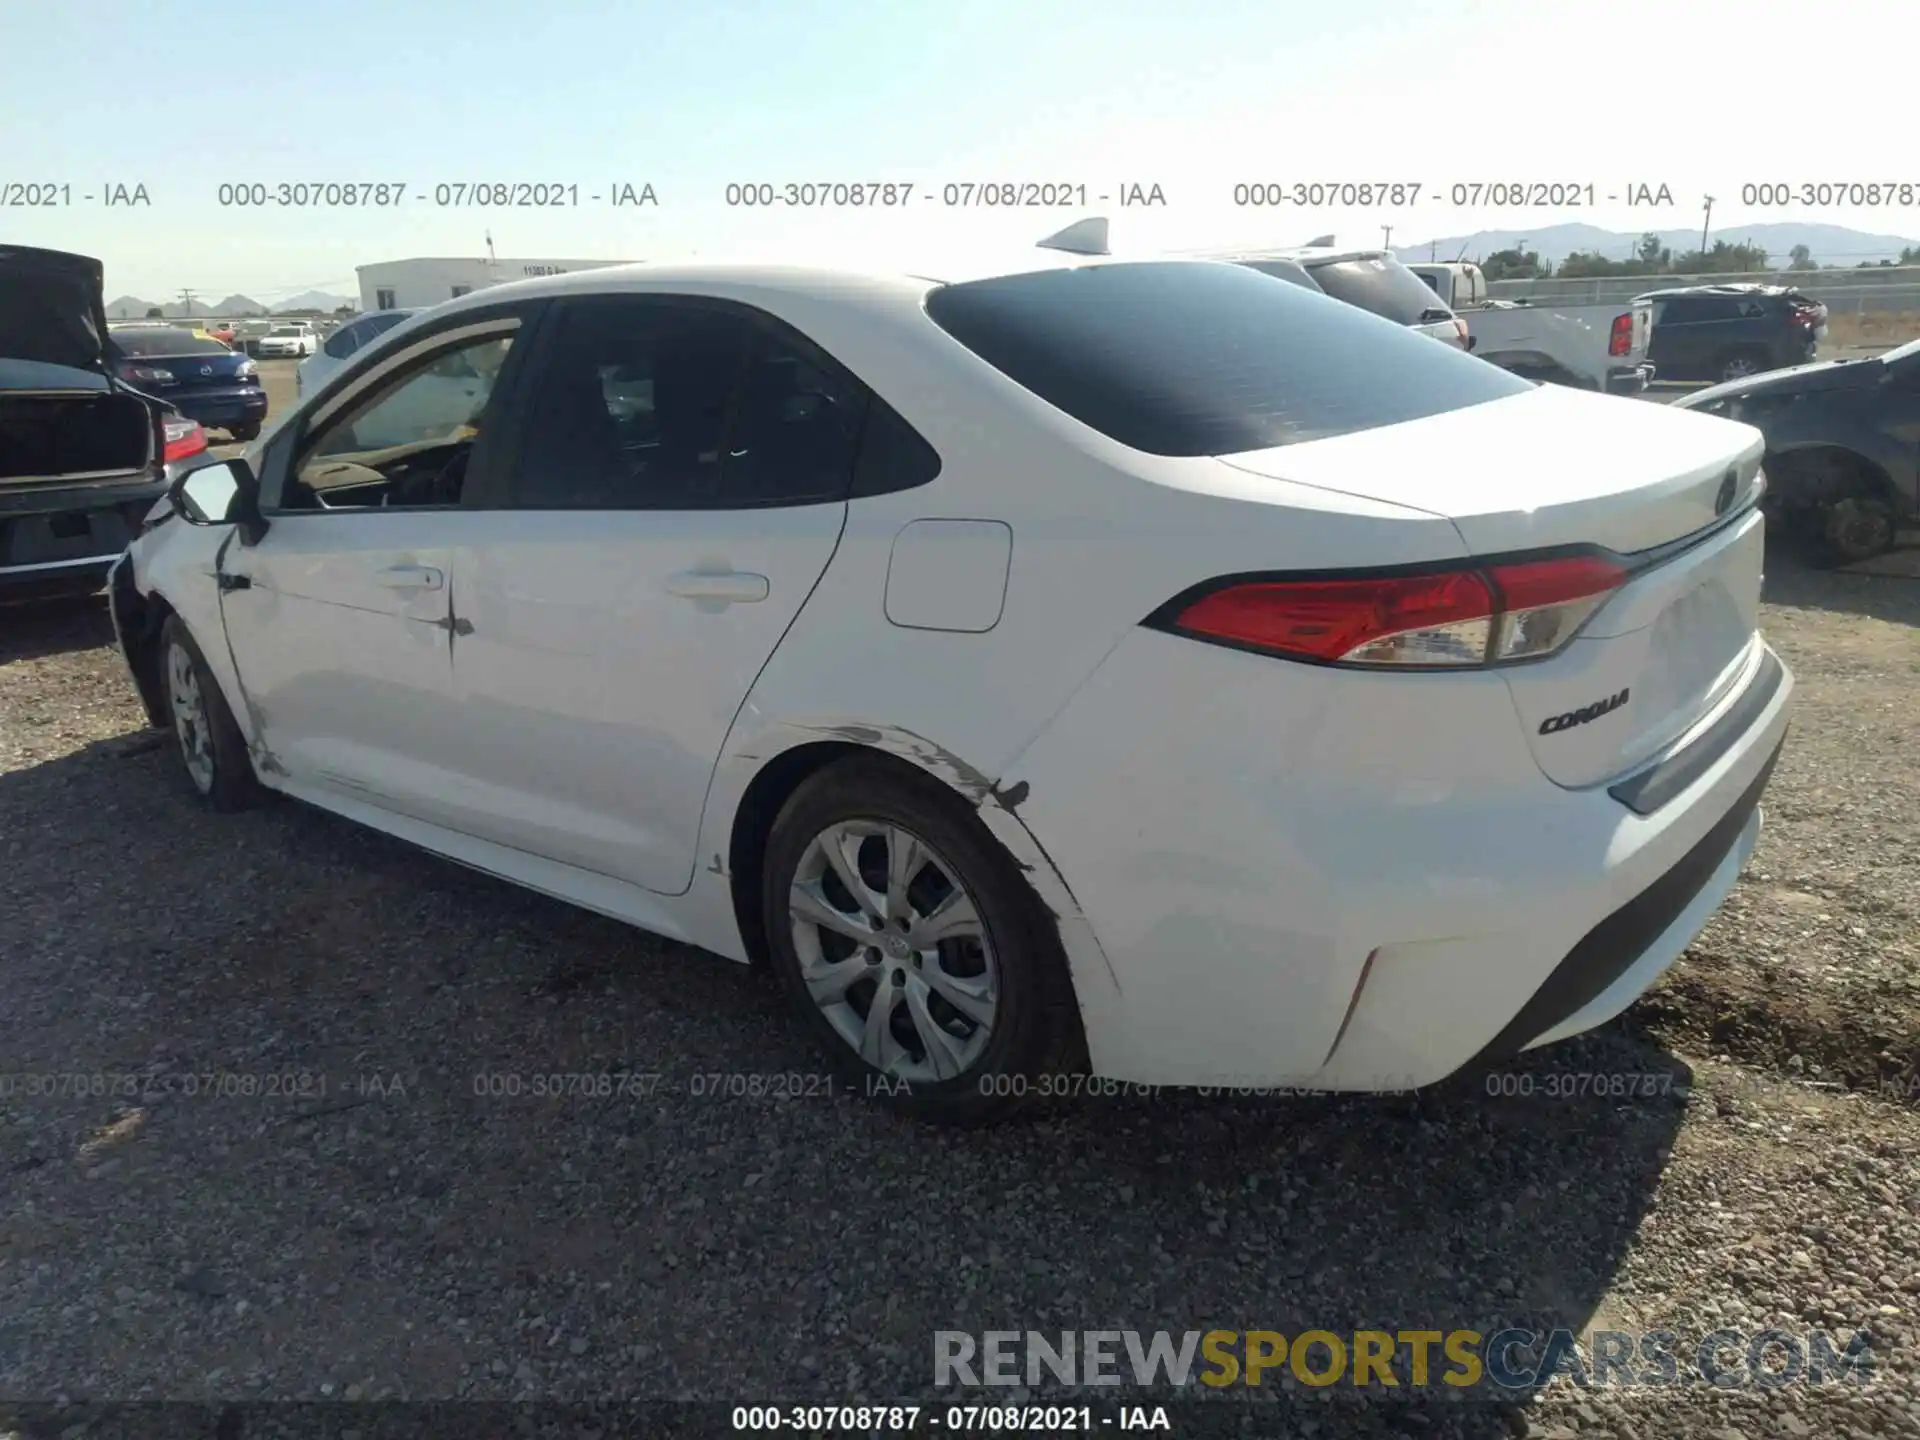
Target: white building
<point>411,284</point>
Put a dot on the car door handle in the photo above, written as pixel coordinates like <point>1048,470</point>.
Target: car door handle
<point>730,585</point>
<point>412,577</point>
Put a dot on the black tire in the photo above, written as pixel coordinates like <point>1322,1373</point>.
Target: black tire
<point>244,433</point>
<point>222,773</point>
<point>1034,1041</point>
<point>1738,364</point>
<point>1856,528</point>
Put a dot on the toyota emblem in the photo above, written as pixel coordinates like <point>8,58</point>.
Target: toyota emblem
<point>1723,502</point>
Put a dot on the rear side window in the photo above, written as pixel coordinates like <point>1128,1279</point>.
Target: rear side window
<point>1186,358</point>
<point>1384,287</point>
<point>380,324</point>
<point>648,404</point>
<point>344,341</point>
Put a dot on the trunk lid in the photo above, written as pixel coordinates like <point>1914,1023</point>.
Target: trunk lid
<point>63,420</point>
<point>52,307</point>
<point>1555,467</point>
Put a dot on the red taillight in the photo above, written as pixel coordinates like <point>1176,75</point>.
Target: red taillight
<point>1465,617</point>
<point>145,374</point>
<point>1620,342</point>
<point>184,438</point>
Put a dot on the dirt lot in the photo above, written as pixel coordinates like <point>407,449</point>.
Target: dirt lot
<point>392,1228</point>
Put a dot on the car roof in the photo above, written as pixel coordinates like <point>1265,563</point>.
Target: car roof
<point>1307,255</point>
<point>1750,288</point>
<point>819,280</point>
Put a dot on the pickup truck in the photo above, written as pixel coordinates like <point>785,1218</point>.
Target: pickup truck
<point>1594,347</point>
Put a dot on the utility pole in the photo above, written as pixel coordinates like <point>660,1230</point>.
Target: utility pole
<point>1386,237</point>
<point>1705,221</point>
<point>186,302</point>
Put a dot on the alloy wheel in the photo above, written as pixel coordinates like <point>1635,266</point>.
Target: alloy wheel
<point>893,951</point>
<point>190,722</point>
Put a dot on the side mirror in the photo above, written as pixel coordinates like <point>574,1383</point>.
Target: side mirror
<point>222,494</point>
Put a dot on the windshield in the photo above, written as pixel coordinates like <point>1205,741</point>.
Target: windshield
<point>166,342</point>
<point>285,330</point>
<point>1190,358</point>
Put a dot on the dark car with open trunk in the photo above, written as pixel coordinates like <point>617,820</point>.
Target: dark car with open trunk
<point>83,455</point>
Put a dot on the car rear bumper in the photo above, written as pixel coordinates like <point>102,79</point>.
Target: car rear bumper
<point>236,407</point>
<point>61,542</point>
<point>1629,379</point>
<point>1335,881</point>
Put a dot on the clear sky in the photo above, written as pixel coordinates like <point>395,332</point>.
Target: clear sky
<point>1704,97</point>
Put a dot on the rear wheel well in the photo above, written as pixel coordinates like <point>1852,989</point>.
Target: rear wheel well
<point>1819,475</point>
<point>753,823</point>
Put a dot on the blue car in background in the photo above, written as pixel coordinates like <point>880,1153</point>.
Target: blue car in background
<point>195,374</point>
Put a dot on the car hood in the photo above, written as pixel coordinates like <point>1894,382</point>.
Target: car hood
<point>52,308</point>
<point>1795,379</point>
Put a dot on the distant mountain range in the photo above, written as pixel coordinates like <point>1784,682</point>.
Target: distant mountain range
<point>1830,244</point>
<point>132,307</point>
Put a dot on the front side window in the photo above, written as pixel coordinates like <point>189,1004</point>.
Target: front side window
<point>1183,358</point>
<point>406,442</point>
<point>643,404</point>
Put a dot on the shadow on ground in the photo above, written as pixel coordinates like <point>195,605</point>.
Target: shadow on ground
<point>53,627</point>
<point>770,1234</point>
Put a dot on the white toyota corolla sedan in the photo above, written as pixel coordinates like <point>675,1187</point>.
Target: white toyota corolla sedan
<point>1148,670</point>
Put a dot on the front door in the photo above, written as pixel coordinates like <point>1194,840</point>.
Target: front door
<point>678,489</point>
<point>341,618</point>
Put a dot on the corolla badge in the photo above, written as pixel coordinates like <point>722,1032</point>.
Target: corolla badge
<point>1555,724</point>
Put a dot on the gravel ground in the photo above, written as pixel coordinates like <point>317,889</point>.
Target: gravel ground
<point>401,1235</point>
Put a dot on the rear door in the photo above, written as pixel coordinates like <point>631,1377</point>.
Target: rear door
<point>677,486</point>
<point>1683,343</point>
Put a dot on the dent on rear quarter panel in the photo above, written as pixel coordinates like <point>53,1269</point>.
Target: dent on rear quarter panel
<point>1096,988</point>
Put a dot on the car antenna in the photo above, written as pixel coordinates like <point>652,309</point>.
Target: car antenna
<point>1320,242</point>
<point>1083,237</point>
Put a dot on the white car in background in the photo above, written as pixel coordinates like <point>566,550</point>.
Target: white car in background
<point>289,340</point>
<point>1372,279</point>
<point>343,344</point>
<point>1137,667</point>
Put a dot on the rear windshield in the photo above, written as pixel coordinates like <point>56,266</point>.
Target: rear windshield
<point>1385,287</point>
<point>1186,358</point>
<point>166,342</point>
